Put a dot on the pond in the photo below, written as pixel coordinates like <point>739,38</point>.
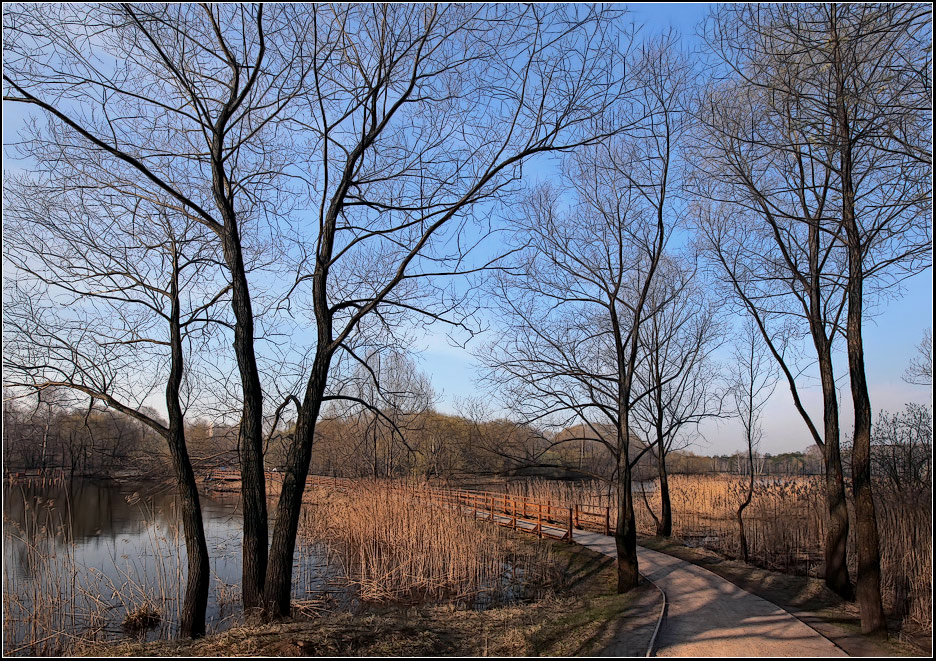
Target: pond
<point>79,558</point>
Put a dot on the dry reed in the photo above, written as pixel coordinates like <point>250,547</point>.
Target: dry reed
<point>785,525</point>
<point>56,605</point>
<point>392,545</point>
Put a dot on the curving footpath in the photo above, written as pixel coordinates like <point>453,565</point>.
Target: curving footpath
<point>705,615</point>
<point>709,616</point>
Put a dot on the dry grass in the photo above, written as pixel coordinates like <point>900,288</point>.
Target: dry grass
<point>785,522</point>
<point>52,608</point>
<point>142,618</point>
<point>383,543</point>
<point>785,526</point>
<point>59,605</point>
<point>391,546</point>
<point>584,617</point>
<point>906,531</point>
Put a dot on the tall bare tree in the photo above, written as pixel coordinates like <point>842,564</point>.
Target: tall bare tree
<point>753,380</point>
<point>111,297</point>
<point>418,119</point>
<point>576,298</point>
<point>841,97</point>
<point>677,378</point>
<point>785,269</point>
<point>179,102</point>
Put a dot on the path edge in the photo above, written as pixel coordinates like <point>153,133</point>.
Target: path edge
<point>656,630</point>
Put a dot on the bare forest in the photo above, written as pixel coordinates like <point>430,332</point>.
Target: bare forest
<point>232,232</point>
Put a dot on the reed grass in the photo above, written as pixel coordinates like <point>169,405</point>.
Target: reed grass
<point>391,545</point>
<point>785,525</point>
<point>59,605</point>
<point>45,611</point>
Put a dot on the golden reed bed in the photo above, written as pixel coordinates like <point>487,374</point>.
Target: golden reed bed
<point>392,546</point>
<point>785,527</point>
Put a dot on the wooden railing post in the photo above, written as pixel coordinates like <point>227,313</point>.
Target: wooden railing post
<point>608,521</point>
<point>539,519</point>
<point>570,524</point>
<point>577,516</point>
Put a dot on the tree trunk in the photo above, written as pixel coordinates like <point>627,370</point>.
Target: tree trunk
<point>836,547</point>
<point>250,433</point>
<point>625,533</point>
<point>277,588</point>
<point>195,603</point>
<point>665,526</point>
<point>836,542</point>
<point>869,559</point>
<point>747,500</point>
<point>249,439</point>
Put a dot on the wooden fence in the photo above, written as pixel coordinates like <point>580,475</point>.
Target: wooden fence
<point>535,515</point>
<point>538,516</point>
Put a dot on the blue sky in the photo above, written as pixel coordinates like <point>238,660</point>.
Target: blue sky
<point>890,336</point>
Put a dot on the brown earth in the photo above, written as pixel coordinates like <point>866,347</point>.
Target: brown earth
<point>582,616</point>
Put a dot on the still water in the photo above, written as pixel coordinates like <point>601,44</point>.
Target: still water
<point>78,558</point>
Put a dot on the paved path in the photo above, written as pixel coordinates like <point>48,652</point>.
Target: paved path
<point>706,615</point>
<point>709,616</point>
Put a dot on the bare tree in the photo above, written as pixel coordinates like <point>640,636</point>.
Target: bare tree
<point>753,380</point>
<point>366,133</point>
<point>842,92</point>
<point>111,297</point>
<point>417,117</point>
<point>902,451</point>
<point>577,296</point>
<point>885,213</point>
<point>920,369</point>
<point>395,396</point>
<point>761,223</point>
<point>179,102</point>
<point>677,378</point>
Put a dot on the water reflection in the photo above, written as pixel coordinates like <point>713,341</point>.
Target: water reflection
<point>95,551</point>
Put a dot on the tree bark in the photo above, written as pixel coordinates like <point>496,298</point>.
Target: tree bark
<point>836,543</point>
<point>249,438</point>
<point>747,500</point>
<point>836,546</point>
<point>665,525</point>
<point>195,603</point>
<point>869,559</point>
<point>277,588</point>
<point>625,533</point>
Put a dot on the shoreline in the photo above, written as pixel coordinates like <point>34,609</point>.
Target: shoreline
<point>583,616</point>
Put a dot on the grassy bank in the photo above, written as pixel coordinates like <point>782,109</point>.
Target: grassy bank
<point>581,615</point>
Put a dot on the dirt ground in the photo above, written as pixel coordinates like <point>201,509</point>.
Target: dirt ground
<point>582,616</point>
<point>806,598</point>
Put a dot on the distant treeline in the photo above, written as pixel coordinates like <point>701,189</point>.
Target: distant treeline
<point>101,442</point>
<point>80,442</point>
